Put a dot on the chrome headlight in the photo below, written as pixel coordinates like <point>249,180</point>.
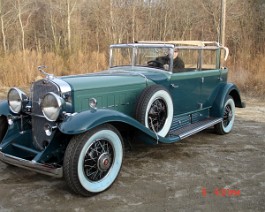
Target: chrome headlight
<point>15,99</point>
<point>51,106</point>
<point>93,103</point>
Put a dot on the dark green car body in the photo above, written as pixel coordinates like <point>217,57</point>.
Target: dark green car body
<point>31,138</point>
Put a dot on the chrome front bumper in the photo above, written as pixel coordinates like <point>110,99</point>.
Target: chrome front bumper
<point>32,165</point>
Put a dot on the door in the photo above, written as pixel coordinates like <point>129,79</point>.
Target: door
<point>185,88</point>
<point>211,76</point>
<point>209,87</point>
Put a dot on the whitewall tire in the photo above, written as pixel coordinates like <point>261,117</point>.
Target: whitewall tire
<point>227,124</point>
<point>155,109</point>
<point>93,160</point>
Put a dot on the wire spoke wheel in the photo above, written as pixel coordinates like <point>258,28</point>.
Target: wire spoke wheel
<point>98,160</point>
<point>157,115</point>
<point>227,115</point>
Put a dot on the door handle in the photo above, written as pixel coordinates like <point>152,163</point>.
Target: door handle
<point>174,86</point>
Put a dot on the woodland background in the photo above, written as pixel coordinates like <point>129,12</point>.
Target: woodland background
<point>73,36</point>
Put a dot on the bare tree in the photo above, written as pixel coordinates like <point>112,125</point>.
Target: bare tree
<point>4,11</point>
<point>71,6</point>
<point>22,8</point>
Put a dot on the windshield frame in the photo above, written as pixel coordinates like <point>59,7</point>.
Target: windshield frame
<point>135,47</point>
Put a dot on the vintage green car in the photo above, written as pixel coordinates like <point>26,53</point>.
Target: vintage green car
<point>156,92</point>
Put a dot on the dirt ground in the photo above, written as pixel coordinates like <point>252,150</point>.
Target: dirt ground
<point>187,176</point>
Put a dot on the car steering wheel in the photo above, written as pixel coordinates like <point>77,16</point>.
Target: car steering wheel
<point>155,63</point>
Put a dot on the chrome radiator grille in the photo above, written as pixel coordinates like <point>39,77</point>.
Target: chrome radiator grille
<point>39,89</point>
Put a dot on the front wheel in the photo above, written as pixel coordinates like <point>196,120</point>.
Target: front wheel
<point>93,160</point>
<point>227,124</point>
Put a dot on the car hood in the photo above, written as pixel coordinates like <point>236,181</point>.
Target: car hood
<point>113,77</point>
<point>96,81</point>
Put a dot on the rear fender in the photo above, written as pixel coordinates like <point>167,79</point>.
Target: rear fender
<point>226,90</point>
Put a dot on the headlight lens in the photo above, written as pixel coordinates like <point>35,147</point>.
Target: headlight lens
<point>15,99</point>
<point>51,106</point>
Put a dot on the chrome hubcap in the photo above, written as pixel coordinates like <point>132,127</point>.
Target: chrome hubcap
<point>104,162</point>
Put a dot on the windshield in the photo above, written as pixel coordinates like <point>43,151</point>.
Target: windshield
<point>139,55</point>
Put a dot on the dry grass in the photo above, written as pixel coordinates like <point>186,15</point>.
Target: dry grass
<point>20,68</point>
<point>249,75</point>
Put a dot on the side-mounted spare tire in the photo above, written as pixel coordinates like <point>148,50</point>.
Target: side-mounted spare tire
<point>154,109</point>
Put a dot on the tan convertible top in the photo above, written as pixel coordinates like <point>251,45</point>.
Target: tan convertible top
<point>192,44</point>
<point>188,43</point>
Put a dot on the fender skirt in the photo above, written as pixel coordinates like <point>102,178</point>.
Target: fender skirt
<point>87,120</point>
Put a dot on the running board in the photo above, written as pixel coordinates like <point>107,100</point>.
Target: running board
<point>195,128</point>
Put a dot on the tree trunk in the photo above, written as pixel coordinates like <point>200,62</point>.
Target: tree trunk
<point>21,25</point>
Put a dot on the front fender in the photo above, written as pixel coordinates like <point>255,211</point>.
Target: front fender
<point>87,120</point>
<point>226,90</point>
<point>4,108</point>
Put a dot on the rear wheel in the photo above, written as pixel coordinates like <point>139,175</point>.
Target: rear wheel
<point>93,160</point>
<point>227,124</point>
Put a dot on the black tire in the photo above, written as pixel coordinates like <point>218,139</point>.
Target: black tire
<point>227,124</point>
<point>3,127</point>
<point>155,109</point>
<point>93,160</point>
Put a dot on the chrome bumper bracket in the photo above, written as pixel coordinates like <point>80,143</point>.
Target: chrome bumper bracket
<point>32,165</point>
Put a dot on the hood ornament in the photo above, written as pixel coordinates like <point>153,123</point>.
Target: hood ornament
<point>47,75</point>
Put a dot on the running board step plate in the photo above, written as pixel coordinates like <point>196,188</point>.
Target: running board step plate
<point>195,128</point>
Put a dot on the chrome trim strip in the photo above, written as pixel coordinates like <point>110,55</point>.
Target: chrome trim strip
<point>64,86</point>
<point>144,45</point>
<point>200,128</point>
<point>121,73</point>
<point>162,45</point>
<point>32,165</point>
<point>226,52</point>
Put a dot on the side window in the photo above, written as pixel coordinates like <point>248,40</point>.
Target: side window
<point>209,59</point>
<point>186,60</point>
